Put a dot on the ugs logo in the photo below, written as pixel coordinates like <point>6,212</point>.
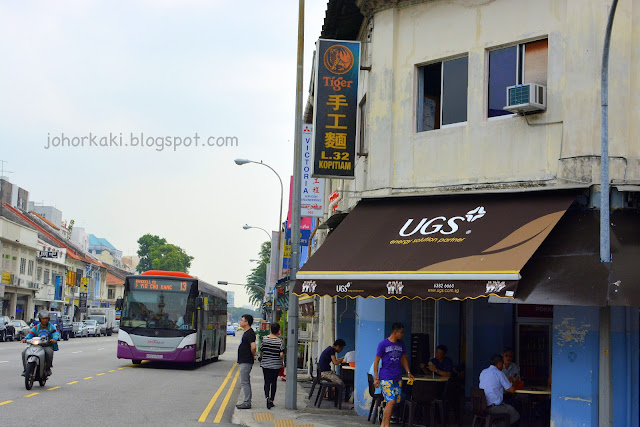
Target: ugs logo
<point>428,226</point>
<point>343,288</point>
<point>309,286</point>
<point>394,287</point>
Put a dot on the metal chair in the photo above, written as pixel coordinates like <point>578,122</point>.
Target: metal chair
<point>327,385</point>
<point>450,401</point>
<point>480,413</point>
<point>376,402</point>
<point>422,395</point>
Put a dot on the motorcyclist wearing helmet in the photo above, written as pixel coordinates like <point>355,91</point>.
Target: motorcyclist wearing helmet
<point>44,327</point>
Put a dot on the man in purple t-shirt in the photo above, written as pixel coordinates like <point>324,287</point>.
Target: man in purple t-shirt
<point>394,359</point>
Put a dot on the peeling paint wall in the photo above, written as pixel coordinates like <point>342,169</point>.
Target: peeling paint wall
<point>370,330</point>
<point>574,391</point>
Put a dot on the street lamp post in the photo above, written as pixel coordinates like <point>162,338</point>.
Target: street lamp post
<point>225,283</point>
<point>247,227</point>
<point>274,263</point>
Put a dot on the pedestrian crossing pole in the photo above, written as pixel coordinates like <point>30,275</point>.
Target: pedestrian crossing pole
<point>292,342</point>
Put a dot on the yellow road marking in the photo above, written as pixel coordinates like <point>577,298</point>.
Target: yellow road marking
<point>72,382</point>
<point>54,388</point>
<point>100,374</point>
<point>113,370</point>
<point>32,394</point>
<point>283,423</point>
<point>226,398</point>
<point>87,378</point>
<point>120,368</point>
<point>212,402</point>
<point>5,402</point>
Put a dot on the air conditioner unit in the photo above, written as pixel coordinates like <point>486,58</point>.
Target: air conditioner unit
<point>526,98</point>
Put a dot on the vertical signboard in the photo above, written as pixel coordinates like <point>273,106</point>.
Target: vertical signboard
<point>335,108</point>
<point>58,289</point>
<point>82,305</point>
<point>312,197</point>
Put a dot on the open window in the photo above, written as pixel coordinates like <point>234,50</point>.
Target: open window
<point>442,94</point>
<point>514,65</point>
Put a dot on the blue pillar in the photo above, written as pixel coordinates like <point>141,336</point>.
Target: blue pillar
<point>625,364</point>
<point>370,330</point>
<point>346,322</point>
<point>574,391</point>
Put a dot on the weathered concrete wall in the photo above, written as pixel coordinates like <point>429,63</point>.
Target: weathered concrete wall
<point>506,149</point>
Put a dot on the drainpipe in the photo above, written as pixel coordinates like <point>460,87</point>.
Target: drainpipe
<point>605,415</point>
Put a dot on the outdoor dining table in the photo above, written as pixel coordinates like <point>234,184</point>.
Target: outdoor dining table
<point>347,373</point>
<point>531,392</point>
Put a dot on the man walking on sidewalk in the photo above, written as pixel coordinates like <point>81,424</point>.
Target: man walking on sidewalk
<point>246,355</point>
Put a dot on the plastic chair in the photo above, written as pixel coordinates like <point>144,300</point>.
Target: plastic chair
<point>480,413</point>
<point>422,395</point>
<point>449,402</point>
<point>376,402</point>
<point>327,385</point>
<point>316,381</point>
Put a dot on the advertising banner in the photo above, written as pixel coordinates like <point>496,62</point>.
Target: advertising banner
<point>58,294</point>
<point>335,108</point>
<point>312,197</point>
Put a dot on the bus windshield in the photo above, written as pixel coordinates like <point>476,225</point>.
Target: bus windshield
<point>159,304</point>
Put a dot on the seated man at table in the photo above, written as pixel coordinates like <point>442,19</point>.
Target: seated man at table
<point>327,357</point>
<point>511,370</point>
<point>440,364</point>
<point>350,357</point>
<point>494,382</point>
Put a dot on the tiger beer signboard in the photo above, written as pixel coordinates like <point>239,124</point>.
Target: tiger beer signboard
<point>335,108</point>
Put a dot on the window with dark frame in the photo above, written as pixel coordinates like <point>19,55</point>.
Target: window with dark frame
<point>111,293</point>
<point>514,65</point>
<point>442,94</point>
<point>23,264</point>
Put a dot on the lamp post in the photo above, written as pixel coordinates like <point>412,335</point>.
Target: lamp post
<point>274,263</point>
<point>225,283</point>
<point>247,227</point>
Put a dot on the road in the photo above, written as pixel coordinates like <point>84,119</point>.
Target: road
<point>92,387</point>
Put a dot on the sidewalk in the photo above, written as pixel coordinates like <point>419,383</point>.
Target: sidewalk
<point>278,416</point>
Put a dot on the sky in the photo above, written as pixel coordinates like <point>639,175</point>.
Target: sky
<point>121,72</point>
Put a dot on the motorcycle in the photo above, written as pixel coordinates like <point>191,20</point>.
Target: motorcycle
<point>36,369</point>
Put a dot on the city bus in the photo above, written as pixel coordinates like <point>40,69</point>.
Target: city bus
<point>173,317</point>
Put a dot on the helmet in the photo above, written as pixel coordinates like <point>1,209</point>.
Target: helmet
<point>43,314</point>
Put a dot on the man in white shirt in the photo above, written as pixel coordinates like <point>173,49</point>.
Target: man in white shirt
<point>494,382</point>
<point>350,357</point>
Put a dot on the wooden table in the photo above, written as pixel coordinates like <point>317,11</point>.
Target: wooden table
<point>533,392</point>
<point>435,379</point>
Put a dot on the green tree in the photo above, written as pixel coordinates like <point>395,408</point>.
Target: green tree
<point>258,276</point>
<point>156,254</point>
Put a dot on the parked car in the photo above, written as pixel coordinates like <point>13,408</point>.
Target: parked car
<point>80,330</point>
<point>64,327</point>
<point>22,329</point>
<point>231,330</point>
<point>116,326</point>
<point>7,330</point>
<point>93,328</point>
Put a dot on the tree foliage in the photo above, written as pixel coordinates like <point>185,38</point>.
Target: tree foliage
<point>258,276</point>
<point>156,254</point>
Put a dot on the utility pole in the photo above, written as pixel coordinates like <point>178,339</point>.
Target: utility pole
<point>292,343</point>
<point>605,414</point>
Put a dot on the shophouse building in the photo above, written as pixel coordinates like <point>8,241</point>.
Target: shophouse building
<point>478,225</point>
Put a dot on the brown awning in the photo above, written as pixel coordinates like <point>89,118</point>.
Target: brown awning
<point>566,269</point>
<point>454,247</point>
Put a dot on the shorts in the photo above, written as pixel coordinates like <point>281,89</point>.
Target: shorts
<point>391,390</point>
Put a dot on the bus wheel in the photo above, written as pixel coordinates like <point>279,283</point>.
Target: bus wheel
<point>136,362</point>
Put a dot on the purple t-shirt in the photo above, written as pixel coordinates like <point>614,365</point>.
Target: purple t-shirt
<point>391,355</point>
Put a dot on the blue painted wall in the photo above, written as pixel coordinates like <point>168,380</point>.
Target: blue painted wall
<point>625,365</point>
<point>370,330</point>
<point>493,329</point>
<point>574,391</point>
<point>346,322</point>
<point>448,327</point>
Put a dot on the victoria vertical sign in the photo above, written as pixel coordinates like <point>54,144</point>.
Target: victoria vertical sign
<point>335,108</point>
